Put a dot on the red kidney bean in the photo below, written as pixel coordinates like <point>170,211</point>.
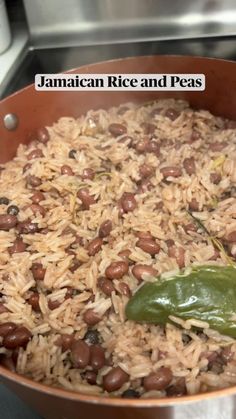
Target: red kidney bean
<point>53,304</point>
<point>148,128</point>
<point>70,292</point>
<point>142,145</point>
<point>7,362</point>
<point>87,199</point>
<point>227,354</point>
<point>90,377</point>
<point>68,230</point>
<point>156,111</point>
<point>35,154</point>
<point>94,246</point>
<point>97,357</point>
<point>7,221</point>
<point>173,171</point>
<point>215,177</point>
<point>42,135</point>
<point>210,356</point>
<point>231,237</point>
<point>170,242</point>
<point>172,114</point>
<point>128,202</point>
<point>17,338</point>
<point>144,186</point>
<point>88,174</point>
<point>146,235</point>
<point>117,129</point>
<point>26,167</point>
<point>34,181</point>
<point>37,197</point>
<point>105,285</point>
<point>140,270</point>
<point>120,209</point>
<point>27,227</point>
<point>3,309</point>
<point>148,246</point>
<point>18,246</point>
<point>80,354</point>
<point>65,341</point>
<point>34,301</point>
<point>145,171</point>
<point>116,270</point>
<point>217,146</point>
<point>105,229</point>
<point>143,270</point>
<point>124,289</point>
<point>115,379</point>
<point>158,380</point>
<point>193,205</point>
<point>66,170</point>
<point>38,271</point>
<point>109,361</point>
<point>36,208</point>
<point>189,165</point>
<point>75,265</point>
<point>153,147</point>
<point>178,254</point>
<point>78,240</point>
<point>124,254</point>
<point>6,328</point>
<point>91,318</point>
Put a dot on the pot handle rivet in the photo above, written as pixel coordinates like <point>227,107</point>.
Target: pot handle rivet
<point>10,121</point>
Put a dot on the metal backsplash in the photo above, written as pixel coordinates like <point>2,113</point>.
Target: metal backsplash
<point>87,22</point>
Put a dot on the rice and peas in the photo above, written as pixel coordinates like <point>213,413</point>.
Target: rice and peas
<point>91,210</point>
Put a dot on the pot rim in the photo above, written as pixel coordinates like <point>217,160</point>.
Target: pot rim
<point>113,60</point>
<point>112,401</point>
<point>104,400</point>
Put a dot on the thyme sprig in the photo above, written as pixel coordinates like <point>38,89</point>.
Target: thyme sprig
<point>214,240</point>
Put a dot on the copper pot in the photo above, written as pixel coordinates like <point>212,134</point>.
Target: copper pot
<point>37,109</point>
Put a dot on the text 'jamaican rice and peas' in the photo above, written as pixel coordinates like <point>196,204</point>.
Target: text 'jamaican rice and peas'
<point>120,82</point>
<point>94,212</point>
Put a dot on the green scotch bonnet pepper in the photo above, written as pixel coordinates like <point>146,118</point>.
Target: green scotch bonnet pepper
<point>207,293</point>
